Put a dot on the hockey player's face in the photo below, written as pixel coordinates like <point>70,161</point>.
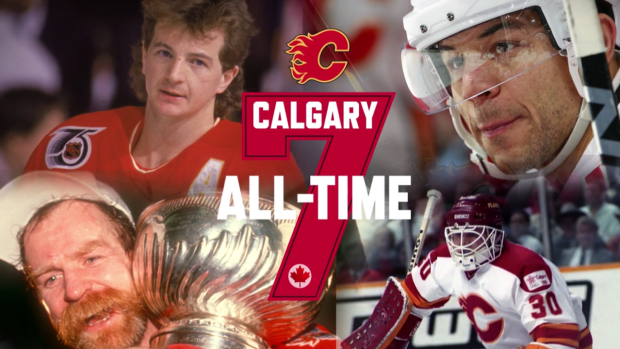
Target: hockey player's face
<point>520,123</point>
<point>183,73</point>
<point>469,240</point>
<point>83,276</point>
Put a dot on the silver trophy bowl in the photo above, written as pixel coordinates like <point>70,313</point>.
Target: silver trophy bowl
<point>206,281</point>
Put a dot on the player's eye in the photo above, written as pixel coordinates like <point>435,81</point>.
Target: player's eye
<point>51,281</point>
<point>165,54</point>
<point>502,47</point>
<point>92,260</point>
<point>456,63</point>
<point>199,63</point>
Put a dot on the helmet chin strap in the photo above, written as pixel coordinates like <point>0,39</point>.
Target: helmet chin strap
<point>480,158</point>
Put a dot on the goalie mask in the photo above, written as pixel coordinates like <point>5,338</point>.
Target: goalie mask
<point>458,50</point>
<point>474,231</point>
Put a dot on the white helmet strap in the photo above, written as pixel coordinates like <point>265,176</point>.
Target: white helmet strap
<point>573,66</point>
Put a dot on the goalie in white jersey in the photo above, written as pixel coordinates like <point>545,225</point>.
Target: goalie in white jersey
<point>513,297</point>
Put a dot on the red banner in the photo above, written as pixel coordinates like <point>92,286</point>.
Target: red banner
<point>351,123</point>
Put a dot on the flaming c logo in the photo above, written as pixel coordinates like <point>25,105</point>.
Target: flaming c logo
<point>306,51</point>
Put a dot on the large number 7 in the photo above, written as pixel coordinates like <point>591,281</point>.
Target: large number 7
<point>347,152</point>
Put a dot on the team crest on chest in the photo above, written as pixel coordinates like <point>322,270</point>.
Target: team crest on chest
<point>70,147</point>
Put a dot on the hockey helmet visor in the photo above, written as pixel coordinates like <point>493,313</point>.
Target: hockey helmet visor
<point>491,50</point>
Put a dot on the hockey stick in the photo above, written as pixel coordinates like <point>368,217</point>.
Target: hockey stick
<point>433,196</point>
<point>587,38</point>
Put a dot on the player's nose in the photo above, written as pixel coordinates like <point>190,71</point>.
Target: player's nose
<point>480,82</point>
<point>175,73</point>
<point>76,285</point>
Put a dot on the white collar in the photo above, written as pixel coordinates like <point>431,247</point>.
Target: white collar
<point>131,145</point>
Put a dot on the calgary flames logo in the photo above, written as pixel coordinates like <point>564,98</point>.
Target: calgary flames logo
<point>306,51</point>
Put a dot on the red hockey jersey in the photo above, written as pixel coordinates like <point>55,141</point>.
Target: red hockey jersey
<point>102,143</point>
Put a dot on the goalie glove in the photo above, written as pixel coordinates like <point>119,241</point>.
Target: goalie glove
<point>391,324</point>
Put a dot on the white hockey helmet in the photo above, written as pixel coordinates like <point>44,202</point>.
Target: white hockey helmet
<point>434,72</point>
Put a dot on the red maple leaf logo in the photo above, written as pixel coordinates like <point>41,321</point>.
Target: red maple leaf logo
<point>300,275</point>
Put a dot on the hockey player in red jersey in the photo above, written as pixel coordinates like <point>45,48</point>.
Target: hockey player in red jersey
<point>188,71</point>
<point>513,297</point>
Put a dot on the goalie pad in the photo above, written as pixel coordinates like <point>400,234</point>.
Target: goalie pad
<point>390,319</point>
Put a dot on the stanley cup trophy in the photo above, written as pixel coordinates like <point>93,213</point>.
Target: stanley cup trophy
<point>206,281</point>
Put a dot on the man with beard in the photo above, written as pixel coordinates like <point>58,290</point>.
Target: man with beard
<point>76,240</point>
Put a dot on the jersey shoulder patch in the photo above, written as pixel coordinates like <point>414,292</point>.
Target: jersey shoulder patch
<point>537,279</point>
<point>529,267</point>
<point>70,146</point>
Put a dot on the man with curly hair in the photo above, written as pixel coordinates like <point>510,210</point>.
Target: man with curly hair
<point>188,70</point>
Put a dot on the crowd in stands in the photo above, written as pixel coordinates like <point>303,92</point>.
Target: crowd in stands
<point>582,232</point>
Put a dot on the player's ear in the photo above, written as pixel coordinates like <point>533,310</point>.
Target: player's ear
<point>609,35</point>
<point>227,78</point>
<point>143,55</point>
